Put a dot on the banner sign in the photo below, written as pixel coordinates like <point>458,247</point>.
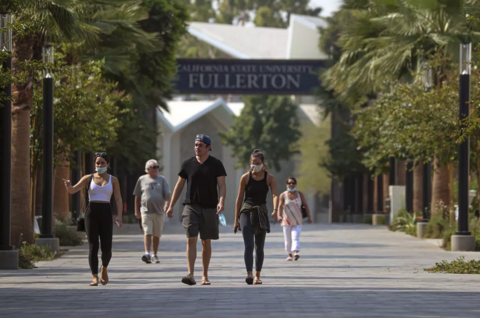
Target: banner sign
<point>247,77</point>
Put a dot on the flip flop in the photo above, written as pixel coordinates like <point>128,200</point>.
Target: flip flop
<point>104,281</point>
<point>297,256</point>
<point>249,280</point>
<point>188,280</point>
<point>258,282</point>
<point>103,278</point>
<point>204,282</point>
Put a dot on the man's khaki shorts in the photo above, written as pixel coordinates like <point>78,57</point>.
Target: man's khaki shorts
<point>153,223</point>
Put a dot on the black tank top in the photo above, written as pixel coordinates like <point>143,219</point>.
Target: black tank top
<point>256,191</point>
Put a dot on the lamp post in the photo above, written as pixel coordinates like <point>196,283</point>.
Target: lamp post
<point>427,167</point>
<point>409,187</point>
<point>8,256</point>
<point>463,240</point>
<point>379,214</point>
<point>46,237</point>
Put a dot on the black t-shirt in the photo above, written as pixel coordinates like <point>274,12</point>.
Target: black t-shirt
<point>202,181</point>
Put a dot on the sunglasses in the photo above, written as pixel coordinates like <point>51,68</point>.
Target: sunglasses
<point>291,183</point>
<point>100,154</point>
<point>154,167</point>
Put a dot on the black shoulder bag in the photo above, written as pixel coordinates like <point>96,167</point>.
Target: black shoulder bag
<point>304,208</point>
<point>81,221</point>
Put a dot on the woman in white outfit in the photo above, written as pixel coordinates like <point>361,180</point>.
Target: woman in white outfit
<point>291,202</point>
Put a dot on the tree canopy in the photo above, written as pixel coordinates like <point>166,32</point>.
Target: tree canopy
<point>269,123</point>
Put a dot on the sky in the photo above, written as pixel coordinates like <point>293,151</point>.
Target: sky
<point>328,6</point>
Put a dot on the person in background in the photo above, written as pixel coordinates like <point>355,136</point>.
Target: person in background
<point>291,202</point>
<point>98,217</point>
<point>251,217</point>
<point>204,175</point>
<point>152,197</point>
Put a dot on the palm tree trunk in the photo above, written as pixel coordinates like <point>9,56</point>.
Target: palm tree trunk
<point>417,187</point>
<point>22,225</point>
<point>440,187</point>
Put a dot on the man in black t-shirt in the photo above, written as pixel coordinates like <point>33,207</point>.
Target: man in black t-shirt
<point>203,174</point>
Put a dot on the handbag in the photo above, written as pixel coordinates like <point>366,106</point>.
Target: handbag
<point>81,220</point>
<point>304,208</point>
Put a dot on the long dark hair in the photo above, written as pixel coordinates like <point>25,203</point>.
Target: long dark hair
<point>258,154</point>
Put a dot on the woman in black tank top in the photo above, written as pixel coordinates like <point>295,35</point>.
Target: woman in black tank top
<point>256,190</point>
<point>251,214</point>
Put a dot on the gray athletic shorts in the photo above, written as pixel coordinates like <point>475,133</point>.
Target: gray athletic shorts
<point>196,219</point>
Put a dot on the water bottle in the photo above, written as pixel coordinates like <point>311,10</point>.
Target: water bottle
<point>222,220</point>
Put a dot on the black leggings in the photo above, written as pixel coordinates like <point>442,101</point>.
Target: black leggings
<point>250,241</point>
<point>99,224</point>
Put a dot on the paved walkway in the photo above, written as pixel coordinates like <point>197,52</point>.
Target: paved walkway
<point>344,271</point>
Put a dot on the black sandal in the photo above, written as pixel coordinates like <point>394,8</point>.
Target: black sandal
<point>249,280</point>
<point>188,281</point>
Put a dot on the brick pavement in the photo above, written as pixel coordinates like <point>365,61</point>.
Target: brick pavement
<point>344,271</point>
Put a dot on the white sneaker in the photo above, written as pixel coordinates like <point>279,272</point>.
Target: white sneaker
<point>155,259</point>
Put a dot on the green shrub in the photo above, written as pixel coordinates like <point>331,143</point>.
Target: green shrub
<point>441,210</point>
<point>412,230</point>
<point>436,226</point>
<point>404,222</point>
<point>447,238</point>
<point>66,236</point>
<point>381,220</point>
<point>25,261</point>
<point>29,254</point>
<point>458,266</point>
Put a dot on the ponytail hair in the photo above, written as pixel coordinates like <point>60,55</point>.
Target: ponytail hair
<point>258,154</point>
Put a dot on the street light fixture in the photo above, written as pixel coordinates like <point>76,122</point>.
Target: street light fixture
<point>427,167</point>
<point>47,206</point>
<point>463,240</point>
<point>464,147</point>
<point>8,256</point>
<point>46,237</point>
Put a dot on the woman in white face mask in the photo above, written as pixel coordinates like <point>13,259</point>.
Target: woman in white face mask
<point>251,214</point>
<point>291,203</point>
<point>98,216</point>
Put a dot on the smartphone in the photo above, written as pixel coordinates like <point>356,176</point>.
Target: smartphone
<point>117,223</point>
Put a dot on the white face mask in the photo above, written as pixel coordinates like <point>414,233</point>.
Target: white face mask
<point>257,168</point>
<point>101,170</point>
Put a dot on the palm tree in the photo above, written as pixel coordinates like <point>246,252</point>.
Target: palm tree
<point>47,16</point>
<point>52,21</point>
<point>116,26</point>
<point>390,41</point>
